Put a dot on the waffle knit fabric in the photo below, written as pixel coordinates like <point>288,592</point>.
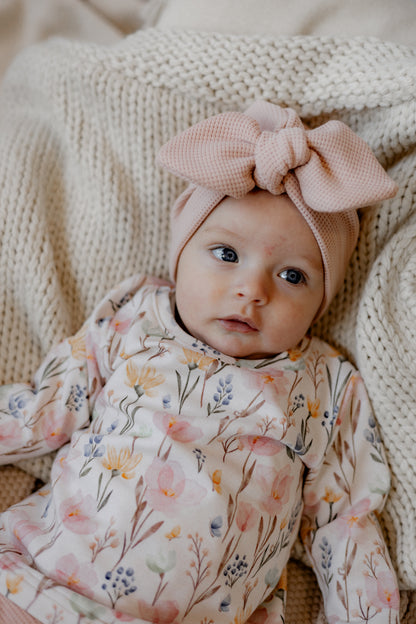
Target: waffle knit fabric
<point>84,205</point>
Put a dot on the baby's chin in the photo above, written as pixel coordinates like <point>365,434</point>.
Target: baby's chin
<point>253,356</point>
<point>243,354</point>
<point>236,349</point>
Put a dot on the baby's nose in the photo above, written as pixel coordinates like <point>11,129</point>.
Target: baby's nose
<point>254,289</point>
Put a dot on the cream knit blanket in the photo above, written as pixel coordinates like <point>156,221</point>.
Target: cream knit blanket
<point>83,205</point>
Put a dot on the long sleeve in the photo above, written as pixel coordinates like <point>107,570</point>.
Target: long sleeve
<point>340,529</point>
<point>38,417</point>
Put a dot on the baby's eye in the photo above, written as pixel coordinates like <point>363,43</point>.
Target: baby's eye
<point>226,254</point>
<point>293,276</point>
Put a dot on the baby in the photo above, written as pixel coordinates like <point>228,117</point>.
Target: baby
<point>201,426</point>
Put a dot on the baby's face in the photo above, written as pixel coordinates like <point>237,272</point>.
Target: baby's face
<point>250,280</point>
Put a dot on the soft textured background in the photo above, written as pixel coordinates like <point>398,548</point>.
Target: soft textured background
<point>82,205</point>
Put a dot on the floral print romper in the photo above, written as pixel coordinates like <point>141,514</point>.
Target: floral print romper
<point>184,476</point>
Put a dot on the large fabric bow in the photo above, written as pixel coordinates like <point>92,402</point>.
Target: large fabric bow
<point>269,147</point>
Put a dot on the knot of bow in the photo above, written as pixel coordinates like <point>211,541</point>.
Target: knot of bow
<point>269,147</point>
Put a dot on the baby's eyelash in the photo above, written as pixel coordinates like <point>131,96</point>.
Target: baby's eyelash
<point>225,253</point>
<point>293,276</point>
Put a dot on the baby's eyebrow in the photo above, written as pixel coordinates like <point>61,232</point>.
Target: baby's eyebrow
<point>223,232</point>
<point>313,261</point>
<point>220,229</point>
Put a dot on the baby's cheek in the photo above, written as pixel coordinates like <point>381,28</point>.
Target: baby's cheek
<point>291,326</point>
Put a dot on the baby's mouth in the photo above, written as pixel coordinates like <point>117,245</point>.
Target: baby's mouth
<point>238,324</point>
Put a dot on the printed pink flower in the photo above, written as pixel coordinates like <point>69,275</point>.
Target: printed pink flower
<point>382,591</point>
<point>63,465</point>
<point>78,513</point>
<point>246,517</point>
<point>121,322</point>
<point>168,489</point>
<point>60,465</point>
<point>10,433</point>
<point>24,532</point>
<point>275,486</point>
<point>11,562</point>
<point>78,576</point>
<point>260,445</point>
<point>176,428</point>
<point>353,522</point>
<point>57,430</point>
<point>163,612</point>
<point>272,384</point>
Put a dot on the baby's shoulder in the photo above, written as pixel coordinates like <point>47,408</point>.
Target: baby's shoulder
<point>318,347</point>
<point>126,300</point>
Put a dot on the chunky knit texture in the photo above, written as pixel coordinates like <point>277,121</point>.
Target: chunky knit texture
<point>84,205</point>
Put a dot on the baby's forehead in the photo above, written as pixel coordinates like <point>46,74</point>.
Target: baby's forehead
<point>256,201</point>
<point>258,207</point>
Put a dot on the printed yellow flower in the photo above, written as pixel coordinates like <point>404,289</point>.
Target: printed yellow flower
<point>294,354</point>
<point>352,521</point>
<point>146,378</point>
<point>13,583</point>
<point>149,379</point>
<point>121,462</point>
<point>44,493</point>
<point>132,374</point>
<point>313,407</point>
<point>216,481</point>
<point>196,360</point>
<point>174,533</point>
<point>331,496</point>
<point>77,344</point>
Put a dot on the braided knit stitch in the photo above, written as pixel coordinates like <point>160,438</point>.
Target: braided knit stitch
<point>83,204</point>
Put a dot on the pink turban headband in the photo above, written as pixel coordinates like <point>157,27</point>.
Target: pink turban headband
<point>327,172</point>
